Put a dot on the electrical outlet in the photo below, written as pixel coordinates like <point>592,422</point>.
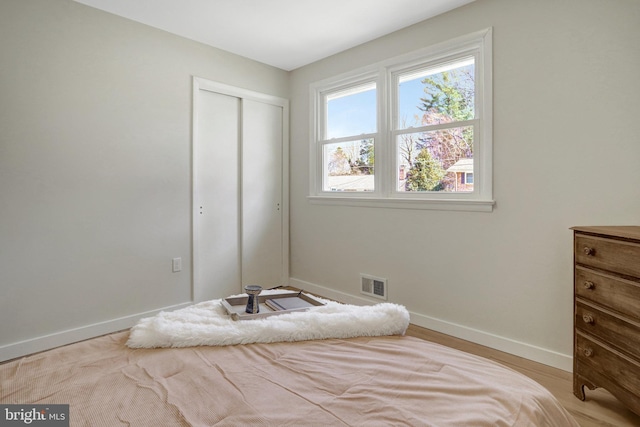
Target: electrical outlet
<point>176,265</point>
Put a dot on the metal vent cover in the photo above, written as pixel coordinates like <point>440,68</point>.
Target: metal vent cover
<point>373,286</point>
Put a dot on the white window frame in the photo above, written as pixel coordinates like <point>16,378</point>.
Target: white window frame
<point>361,79</point>
<point>385,74</point>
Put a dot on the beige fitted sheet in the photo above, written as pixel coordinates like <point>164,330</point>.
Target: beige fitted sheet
<point>357,382</point>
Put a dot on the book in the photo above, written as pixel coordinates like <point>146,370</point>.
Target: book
<point>287,303</point>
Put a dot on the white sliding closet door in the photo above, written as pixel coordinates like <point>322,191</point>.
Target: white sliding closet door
<point>261,194</point>
<point>217,270</point>
<point>240,228</point>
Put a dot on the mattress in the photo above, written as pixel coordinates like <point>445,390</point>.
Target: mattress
<point>380,381</point>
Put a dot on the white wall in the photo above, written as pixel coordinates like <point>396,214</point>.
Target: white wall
<point>566,150</point>
<point>95,167</point>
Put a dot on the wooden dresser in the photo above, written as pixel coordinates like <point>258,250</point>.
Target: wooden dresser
<point>607,312</point>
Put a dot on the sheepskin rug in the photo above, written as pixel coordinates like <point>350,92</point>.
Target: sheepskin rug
<point>207,323</point>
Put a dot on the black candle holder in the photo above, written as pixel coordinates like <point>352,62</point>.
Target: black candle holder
<point>253,291</point>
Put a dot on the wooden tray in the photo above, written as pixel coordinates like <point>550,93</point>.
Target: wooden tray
<point>235,306</point>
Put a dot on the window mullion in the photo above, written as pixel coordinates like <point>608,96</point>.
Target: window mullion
<point>439,126</point>
<point>383,165</point>
<point>348,138</point>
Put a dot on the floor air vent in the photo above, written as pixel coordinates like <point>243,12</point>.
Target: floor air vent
<point>373,286</point>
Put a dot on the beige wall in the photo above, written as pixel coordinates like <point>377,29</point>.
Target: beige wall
<point>566,150</point>
<point>95,167</point>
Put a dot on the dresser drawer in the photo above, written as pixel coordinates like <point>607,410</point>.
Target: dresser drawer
<point>618,294</point>
<point>608,254</point>
<point>608,327</point>
<point>608,369</point>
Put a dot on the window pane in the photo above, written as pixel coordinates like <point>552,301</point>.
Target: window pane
<point>348,166</point>
<point>435,161</point>
<point>351,112</point>
<point>437,95</point>
<point>469,176</point>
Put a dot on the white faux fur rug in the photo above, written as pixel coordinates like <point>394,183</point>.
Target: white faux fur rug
<point>207,323</point>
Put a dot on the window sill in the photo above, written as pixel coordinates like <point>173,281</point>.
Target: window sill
<point>428,204</point>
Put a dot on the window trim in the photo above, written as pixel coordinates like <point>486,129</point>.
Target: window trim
<point>386,75</point>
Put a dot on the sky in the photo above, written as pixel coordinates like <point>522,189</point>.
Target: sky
<point>354,112</point>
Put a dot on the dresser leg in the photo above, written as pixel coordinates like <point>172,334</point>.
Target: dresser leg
<point>579,383</point>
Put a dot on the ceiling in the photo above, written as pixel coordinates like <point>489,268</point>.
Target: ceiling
<point>283,33</point>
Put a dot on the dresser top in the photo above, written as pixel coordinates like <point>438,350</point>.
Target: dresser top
<point>621,231</point>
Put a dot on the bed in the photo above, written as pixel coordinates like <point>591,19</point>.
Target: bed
<point>361,381</point>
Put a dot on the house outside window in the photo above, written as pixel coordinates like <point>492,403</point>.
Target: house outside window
<point>411,132</point>
<point>461,173</point>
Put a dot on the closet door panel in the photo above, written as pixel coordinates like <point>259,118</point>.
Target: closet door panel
<point>262,228</point>
<point>217,190</point>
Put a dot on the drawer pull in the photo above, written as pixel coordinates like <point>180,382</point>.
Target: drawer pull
<point>588,352</point>
<point>589,285</point>
<point>587,318</point>
<point>589,251</point>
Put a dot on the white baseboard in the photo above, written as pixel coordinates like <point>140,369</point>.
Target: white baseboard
<point>518,348</point>
<point>46,342</point>
<point>528,351</point>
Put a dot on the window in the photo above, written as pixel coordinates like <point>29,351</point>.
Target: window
<point>414,131</point>
<point>469,178</point>
<point>348,141</point>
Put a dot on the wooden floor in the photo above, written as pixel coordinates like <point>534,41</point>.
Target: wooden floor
<point>600,408</point>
